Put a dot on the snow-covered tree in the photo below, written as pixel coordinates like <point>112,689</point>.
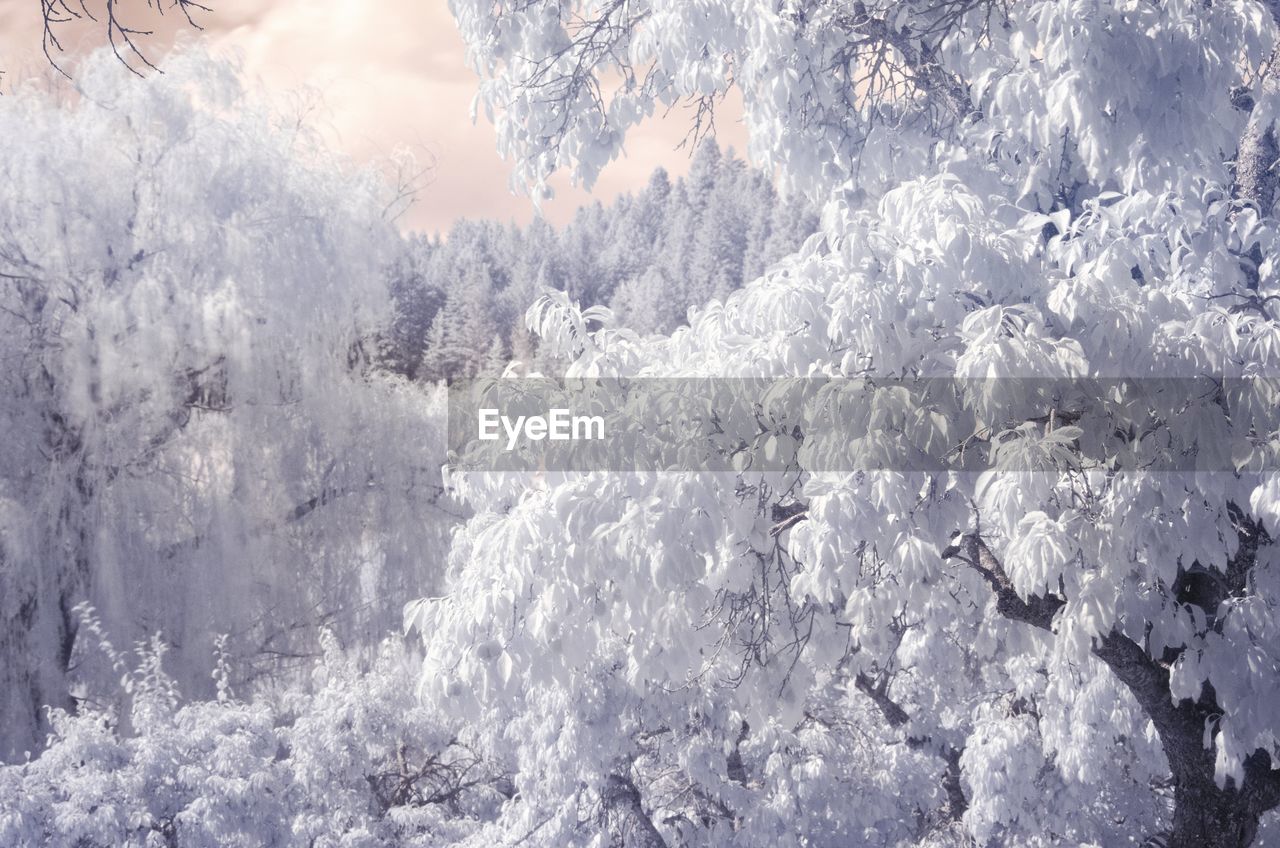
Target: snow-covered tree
<point>1068,636</point>
<point>646,303</point>
<point>452,295</point>
<point>190,287</point>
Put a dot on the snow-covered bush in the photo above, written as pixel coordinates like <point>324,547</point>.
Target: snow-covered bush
<point>355,762</point>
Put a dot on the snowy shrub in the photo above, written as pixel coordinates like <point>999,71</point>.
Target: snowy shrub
<point>354,760</point>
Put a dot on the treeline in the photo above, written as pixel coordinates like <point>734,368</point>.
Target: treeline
<point>460,301</point>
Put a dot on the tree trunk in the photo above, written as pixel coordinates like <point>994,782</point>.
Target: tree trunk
<point>1256,173</point>
<point>897,717</point>
<point>35,646</point>
<point>629,825</point>
<point>1205,815</point>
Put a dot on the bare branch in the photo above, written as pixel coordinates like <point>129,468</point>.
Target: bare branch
<point>122,37</point>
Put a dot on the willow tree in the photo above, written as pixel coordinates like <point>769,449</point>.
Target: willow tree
<point>193,438</point>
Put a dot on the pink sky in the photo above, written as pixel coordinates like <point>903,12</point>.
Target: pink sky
<point>391,75</point>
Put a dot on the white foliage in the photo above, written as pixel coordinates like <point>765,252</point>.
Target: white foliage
<point>191,288</point>
<point>1076,224</point>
